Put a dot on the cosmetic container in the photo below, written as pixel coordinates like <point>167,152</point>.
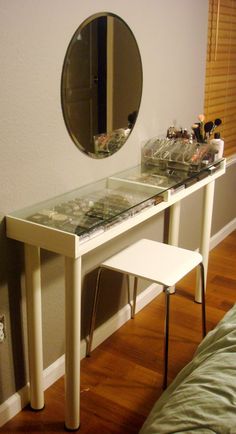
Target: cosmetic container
<point>217,144</point>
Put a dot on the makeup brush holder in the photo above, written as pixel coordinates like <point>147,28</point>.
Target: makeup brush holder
<point>108,143</point>
<point>181,154</point>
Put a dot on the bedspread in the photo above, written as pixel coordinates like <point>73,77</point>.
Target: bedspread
<point>202,398</point>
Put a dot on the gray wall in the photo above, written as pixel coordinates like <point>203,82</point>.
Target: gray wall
<point>39,160</point>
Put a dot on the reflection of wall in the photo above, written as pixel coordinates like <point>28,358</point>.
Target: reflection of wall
<point>38,159</point>
<point>126,78</point>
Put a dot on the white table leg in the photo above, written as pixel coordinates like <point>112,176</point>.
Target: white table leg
<point>72,351</point>
<point>34,325</point>
<point>208,200</point>
<point>174,219</point>
<point>173,230</point>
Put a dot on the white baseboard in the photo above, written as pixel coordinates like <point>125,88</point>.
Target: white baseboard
<point>223,233</point>
<point>19,400</point>
<point>14,405</point>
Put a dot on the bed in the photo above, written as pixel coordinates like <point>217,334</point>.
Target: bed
<point>202,398</point>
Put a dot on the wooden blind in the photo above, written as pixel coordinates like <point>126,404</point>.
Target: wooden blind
<point>220,87</point>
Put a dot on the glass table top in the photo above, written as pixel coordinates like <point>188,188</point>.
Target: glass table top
<point>94,208</point>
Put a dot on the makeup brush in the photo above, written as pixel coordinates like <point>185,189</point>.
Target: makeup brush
<point>201,118</point>
<point>216,124</point>
<point>207,128</point>
<point>196,130</point>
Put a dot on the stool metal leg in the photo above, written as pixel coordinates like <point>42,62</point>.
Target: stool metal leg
<point>134,297</point>
<point>131,303</point>
<point>166,342</point>
<point>203,300</point>
<point>128,291</point>
<point>94,312</point>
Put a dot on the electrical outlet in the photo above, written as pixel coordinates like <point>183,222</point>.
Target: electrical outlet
<point>2,328</point>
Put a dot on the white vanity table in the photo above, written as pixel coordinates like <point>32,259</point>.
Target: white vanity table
<point>80,221</point>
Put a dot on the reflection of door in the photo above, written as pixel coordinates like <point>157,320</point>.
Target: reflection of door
<point>102,74</point>
<point>110,72</point>
<point>127,80</point>
<point>82,86</point>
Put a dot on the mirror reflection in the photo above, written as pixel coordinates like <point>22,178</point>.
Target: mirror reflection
<point>101,85</point>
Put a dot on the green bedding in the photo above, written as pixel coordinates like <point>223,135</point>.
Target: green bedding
<point>202,398</point>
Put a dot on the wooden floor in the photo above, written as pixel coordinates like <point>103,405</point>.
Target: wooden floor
<point>122,379</point>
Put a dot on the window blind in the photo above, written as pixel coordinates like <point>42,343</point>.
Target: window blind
<point>220,85</point>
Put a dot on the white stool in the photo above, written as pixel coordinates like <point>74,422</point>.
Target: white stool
<point>157,262</point>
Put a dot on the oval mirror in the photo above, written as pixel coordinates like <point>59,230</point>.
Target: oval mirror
<point>101,85</point>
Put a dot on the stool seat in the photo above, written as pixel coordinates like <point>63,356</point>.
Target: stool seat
<point>154,261</point>
<point>160,263</point>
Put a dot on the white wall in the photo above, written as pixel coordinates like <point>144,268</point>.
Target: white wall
<point>38,158</point>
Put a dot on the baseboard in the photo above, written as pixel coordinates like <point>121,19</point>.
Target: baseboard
<point>14,405</point>
<point>19,400</point>
<point>222,234</point>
